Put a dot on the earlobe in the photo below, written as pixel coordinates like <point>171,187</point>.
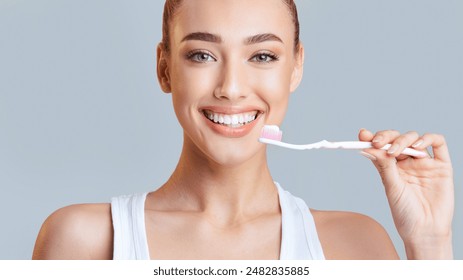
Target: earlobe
<point>162,69</point>
<point>296,76</point>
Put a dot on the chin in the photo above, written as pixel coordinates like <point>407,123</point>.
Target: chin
<point>236,157</point>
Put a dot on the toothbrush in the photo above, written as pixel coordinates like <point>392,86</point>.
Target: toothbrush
<point>271,134</point>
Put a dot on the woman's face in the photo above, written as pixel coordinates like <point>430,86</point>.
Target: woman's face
<point>231,68</point>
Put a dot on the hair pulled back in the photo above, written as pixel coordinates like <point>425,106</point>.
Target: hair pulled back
<point>171,6</point>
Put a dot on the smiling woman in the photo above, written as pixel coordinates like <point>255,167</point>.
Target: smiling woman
<point>230,71</point>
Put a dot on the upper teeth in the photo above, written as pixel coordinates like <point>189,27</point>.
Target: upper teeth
<point>235,119</point>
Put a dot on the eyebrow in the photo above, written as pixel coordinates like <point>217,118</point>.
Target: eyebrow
<point>202,36</point>
<point>209,37</point>
<point>259,38</point>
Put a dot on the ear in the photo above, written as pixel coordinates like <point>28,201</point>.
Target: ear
<point>162,68</point>
<point>298,70</point>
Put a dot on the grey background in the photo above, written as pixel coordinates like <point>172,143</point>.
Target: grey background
<point>82,117</point>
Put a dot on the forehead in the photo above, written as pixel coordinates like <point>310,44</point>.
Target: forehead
<point>233,18</point>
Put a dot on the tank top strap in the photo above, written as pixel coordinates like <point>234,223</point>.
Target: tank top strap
<point>128,215</point>
<point>299,238</point>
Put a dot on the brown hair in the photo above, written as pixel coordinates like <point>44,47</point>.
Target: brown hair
<point>172,5</point>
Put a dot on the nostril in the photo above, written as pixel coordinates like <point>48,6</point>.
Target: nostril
<point>232,87</point>
<point>229,94</point>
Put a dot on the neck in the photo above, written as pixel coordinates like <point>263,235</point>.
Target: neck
<point>228,192</point>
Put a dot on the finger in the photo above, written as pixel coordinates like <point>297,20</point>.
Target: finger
<point>387,168</point>
<point>403,141</point>
<point>402,157</point>
<point>365,135</point>
<point>384,137</point>
<point>438,144</point>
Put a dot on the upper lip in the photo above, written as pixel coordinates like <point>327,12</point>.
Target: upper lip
<point>230,110</point>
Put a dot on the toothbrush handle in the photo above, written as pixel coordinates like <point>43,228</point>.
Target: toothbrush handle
<point>349,145</point>
<point>359,145</point>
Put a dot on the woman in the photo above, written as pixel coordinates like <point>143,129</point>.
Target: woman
<point>230,71</point>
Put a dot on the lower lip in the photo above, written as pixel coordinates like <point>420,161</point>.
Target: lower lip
<point>231,132</point>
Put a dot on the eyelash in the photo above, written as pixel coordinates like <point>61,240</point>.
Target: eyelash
<point>193,56</point>
<point>273,57</point>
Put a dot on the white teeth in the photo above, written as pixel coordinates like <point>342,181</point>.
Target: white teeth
<point>227,120</point>
<point>235,120</point>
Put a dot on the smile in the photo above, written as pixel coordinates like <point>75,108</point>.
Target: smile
<point>233,121</point>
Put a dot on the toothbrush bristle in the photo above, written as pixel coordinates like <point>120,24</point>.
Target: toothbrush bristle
<point>272,132</point>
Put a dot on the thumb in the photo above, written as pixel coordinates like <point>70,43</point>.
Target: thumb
<point>387,169</point>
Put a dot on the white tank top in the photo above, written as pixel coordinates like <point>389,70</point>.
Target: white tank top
<point>299,240</point>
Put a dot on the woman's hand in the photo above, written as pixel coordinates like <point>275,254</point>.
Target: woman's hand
<point>419,190</point>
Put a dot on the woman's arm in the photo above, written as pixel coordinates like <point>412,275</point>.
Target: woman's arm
<point>76,232</point>
<point>420,191</point>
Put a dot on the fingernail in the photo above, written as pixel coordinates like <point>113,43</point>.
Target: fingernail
<point>418,143</point>
<point>392,149</point>
<point>377,139</point>
<point>368,156</point>
<point>423,156</point>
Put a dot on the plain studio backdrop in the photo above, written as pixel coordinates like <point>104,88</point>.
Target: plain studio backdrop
<point>82,117</point>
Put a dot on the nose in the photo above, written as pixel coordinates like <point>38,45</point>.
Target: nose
<point>232,85</point>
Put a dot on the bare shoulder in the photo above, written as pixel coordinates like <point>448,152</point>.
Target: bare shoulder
<point>81,231</point>
<point>348,235</point>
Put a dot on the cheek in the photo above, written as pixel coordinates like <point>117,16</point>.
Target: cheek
<point>189,87</point>
<point>274,89</point>
<point>193,83</point>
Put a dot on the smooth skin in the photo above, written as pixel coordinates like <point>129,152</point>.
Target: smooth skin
<point>221,202</point>
<point>420,192</point>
